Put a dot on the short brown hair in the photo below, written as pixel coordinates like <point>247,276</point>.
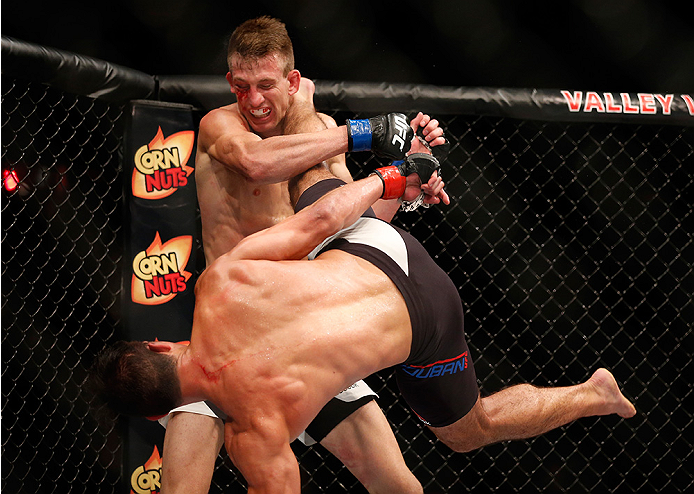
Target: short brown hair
<point>133,380</point>
<point>260,37</point>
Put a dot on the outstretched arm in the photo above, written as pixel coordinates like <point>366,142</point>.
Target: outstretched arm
<point>295,237</point>
<point>225,136</point>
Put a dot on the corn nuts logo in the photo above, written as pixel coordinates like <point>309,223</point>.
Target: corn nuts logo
<point>159,271</point>
<point>160,166</point>
<point>146,479</point>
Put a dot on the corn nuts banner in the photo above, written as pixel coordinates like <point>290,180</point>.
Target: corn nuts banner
<point>159,256</point>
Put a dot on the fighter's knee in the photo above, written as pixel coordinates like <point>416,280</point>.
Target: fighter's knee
<point>458,443</point>
<point>396,481</point>
<point>469,433</point>
<point>454,437</point>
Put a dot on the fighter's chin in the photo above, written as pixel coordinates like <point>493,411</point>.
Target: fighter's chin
<point>260,122</point>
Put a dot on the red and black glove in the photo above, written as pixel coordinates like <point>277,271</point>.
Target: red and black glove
<point>394,177</point>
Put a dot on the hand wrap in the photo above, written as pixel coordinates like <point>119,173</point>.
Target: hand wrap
<point>424,165</point>
<point>393,181</point>
<point>394,177</point>
<point>439,152</point>
<point>388,136</point>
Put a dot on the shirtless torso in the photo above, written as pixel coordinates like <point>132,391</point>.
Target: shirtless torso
<point>234,205</point>
<point>308,349</point>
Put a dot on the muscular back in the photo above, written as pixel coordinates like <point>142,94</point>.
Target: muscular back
<point>264,326</point>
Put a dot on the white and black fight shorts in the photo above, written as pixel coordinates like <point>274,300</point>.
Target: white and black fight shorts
<point>334,412</point>
<point>438,378</point>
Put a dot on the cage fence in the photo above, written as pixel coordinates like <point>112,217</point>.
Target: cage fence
<point>570,244</point>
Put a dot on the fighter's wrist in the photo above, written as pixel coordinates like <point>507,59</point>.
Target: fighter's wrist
<point>359,134</point>
<point>394,182</point>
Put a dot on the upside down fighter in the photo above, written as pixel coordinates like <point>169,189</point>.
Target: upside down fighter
<point>276,336</point>
<point>247,151</point>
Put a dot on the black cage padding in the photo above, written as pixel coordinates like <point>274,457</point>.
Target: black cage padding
<point>95,78</point>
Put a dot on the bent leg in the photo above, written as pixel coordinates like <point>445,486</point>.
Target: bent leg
<point>365,444</point>
<point>191,445</point>
<point>525,411</point>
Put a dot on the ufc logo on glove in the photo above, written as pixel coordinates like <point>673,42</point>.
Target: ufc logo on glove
<point>387,136</point>
<point>402,127</point>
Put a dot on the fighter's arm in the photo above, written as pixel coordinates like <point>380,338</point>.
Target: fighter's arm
<point>298,235</point>
<point>224,136</point>
<point>337,164</point>
<point>295,237</point>
<point>264,458</point>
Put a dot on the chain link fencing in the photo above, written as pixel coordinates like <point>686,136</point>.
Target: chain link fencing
<point>570,244</point>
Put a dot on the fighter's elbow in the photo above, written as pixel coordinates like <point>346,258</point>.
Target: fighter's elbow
<point>324,221</point>
<point>242,160</point>
<point>254,172</point>
<point>257,170</point>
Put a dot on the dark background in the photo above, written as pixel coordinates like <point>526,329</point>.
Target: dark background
<point>571,245</point>
<point>600,45</point>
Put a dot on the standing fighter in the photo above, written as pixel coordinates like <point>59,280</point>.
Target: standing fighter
<point>271,345</point>
<point>244,159</point>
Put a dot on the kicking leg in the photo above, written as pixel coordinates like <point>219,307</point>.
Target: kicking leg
<point>524,411</point>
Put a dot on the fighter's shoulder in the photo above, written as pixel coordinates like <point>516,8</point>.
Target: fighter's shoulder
<point>220,119</point>
<point>327,120</point>
<point>227,268</point>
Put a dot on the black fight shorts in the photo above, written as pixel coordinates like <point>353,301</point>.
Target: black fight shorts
<point>438,378</point>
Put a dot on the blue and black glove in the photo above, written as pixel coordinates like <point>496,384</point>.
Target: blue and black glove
<point>388,136</point>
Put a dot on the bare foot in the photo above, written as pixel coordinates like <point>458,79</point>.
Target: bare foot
<point>613,399</point>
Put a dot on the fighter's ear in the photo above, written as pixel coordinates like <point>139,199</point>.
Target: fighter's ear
<point>294,78</point>
<point>159,346</point>
<point>229,80</point>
